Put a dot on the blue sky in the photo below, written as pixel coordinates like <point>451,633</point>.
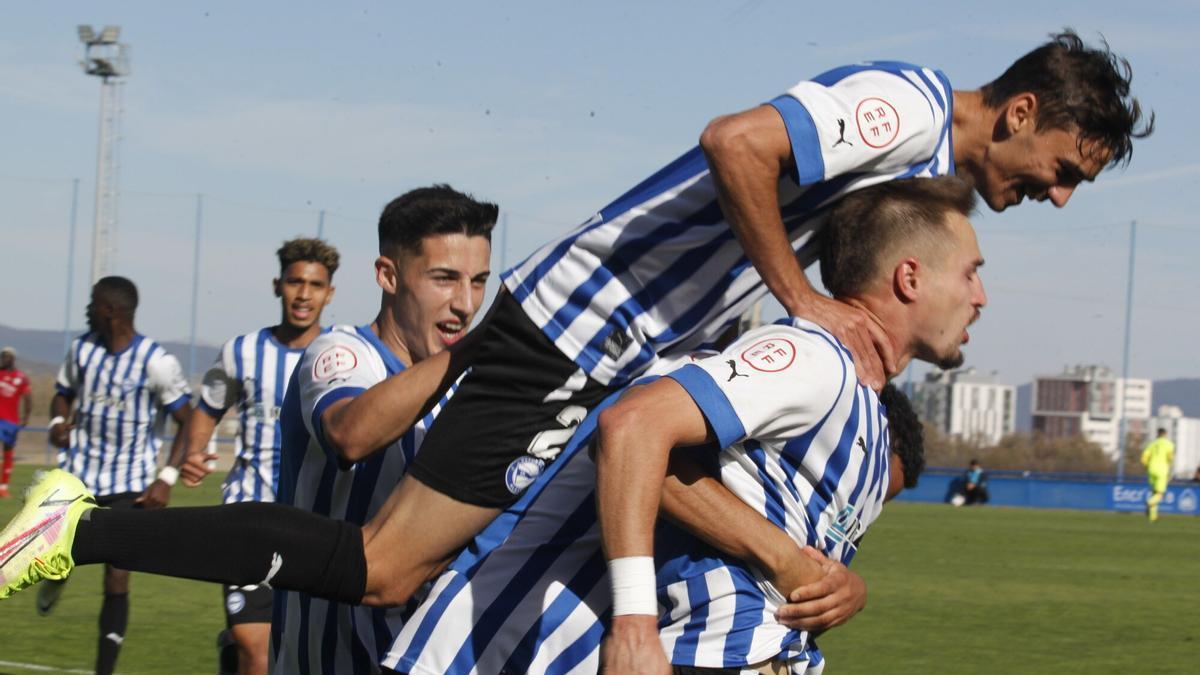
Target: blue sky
<point>274,111</point>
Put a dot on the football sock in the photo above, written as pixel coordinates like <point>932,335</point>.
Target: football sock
<point>8,463</point>
<point>114,617</point>
<point>238,544</point>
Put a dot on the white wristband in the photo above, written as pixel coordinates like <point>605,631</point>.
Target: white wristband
<point>55,422</point>
<point>633,585</point>
<point>169,475</point>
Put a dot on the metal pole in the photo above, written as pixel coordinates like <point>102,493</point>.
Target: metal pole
<point>504,242</point>
<point>1122,427</point>
<point>195,285</point>
<point>70,265</point>
<point>321,224</point>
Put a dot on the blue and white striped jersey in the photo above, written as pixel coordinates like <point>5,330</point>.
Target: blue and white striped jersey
<point>311,635</point>
<point>805,444</point>
<point>251,374</point>
<point>659,270</point>
<point>120,400</point>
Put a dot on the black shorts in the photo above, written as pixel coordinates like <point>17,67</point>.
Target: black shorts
<point>511,416</point>
<point>247,604</point>
<point>121,500</point>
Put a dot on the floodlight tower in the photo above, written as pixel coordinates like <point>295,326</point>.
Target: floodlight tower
<point>108,60</point>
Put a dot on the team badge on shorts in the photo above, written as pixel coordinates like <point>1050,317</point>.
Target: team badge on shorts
<point>522,472</point>
<point>235,602</point>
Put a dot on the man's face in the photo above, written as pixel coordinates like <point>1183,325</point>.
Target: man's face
<point>1042,165</point>
<point>952,296</point>
<point>439,291</point>
<point>303,290</point>
<point>7,361</point>
<point>98,310</point>
<point>895,477</point>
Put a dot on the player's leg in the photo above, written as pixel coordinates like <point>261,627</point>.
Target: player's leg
<point>114,619</point>
<point>248,616</point>
<point>8,438</point>
<point>412,538</point>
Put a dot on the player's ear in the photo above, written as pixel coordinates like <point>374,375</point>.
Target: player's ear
<point>1020,112</point>
<point>278,286</point>
<point>386,274</point>
<point>906,280</point>
<point>329,296</point>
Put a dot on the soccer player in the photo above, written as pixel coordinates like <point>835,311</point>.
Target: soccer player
<point>1157,458</point>
<point>114,387</point>
<point>435,247</point>
<point>669,265</point>
<point>802,440</point>
<point>14,394</point>
<point>811,454</point>
<point>251,375</point>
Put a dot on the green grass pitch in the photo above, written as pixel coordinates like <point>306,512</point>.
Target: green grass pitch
<point>971,590</point>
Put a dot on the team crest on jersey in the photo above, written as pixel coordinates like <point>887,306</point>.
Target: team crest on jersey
<point>522,472</point>
<point>336,359</point>
<point>770,355</point>
<point>878,122</point>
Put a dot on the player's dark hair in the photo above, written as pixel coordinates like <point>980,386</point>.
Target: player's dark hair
<point>868,223</point>
<point>305,249</point>
<point>438,209</point>
<point>118,291</point>
<point>908,435</point>
<point>1077,87</point>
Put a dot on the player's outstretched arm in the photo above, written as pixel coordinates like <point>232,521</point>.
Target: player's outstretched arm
<point>747,154</point>
<point>635,439</point>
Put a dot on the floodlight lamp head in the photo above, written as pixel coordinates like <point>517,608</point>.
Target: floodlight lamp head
<point>86,34</point>
<point>110,34</point>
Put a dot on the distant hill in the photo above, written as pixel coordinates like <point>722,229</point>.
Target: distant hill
<point>41,351</point>
<point>1183,392</point>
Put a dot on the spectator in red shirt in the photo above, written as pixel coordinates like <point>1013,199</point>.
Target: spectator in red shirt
<point>14,387</point>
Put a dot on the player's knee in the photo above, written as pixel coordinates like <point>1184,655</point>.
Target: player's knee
<point>116,581</point>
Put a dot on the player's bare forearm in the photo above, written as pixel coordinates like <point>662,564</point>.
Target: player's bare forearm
<point>179,445</point>
<point>632,647</point>
<point>198,432</point>
<point>26,408</point>
<point>706,508</point>
<point>635,439</point>
<point>747,153</point>
<point>60,405</point>
<point>374,419</point>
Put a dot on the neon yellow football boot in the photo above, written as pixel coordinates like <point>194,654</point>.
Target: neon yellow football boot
<point>36,545</point>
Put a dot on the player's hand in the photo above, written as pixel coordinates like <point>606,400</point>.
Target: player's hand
<point>155,497</point>
<point>826,603</point>
<point>197,467</point>
<point>868,344</point>
<point>60,434</point>
<point>632,647</point>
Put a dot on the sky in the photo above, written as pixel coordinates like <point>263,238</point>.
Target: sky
<point>253,118</point>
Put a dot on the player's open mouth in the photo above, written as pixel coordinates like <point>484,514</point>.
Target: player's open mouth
<point>450,331</point>
<point>301,312</point>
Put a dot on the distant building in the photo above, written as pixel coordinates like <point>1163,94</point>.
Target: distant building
<point>1090,401</point>
<point>1185,433</point>
<point>967,405</point>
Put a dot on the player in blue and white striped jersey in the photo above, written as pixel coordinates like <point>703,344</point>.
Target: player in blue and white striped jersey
<point>116,387</point>
<point>817,464</point>
<point>435,248</point>
<point>673,262</point>
<point>251,375</point>
<point>805,439</point>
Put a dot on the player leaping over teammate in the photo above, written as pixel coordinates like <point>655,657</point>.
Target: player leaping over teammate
<point>667,266</point>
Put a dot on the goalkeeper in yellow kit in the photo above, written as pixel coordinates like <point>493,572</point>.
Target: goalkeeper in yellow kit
<point>1157,459</point>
